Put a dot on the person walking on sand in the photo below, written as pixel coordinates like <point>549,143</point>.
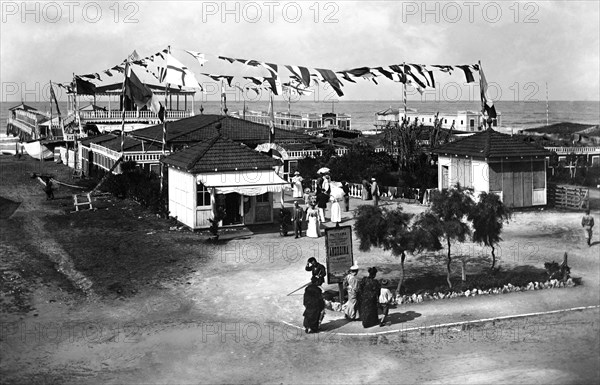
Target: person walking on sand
<point>375,192</point>
<point>385,300</point>
<point>346,189</point>
<point>587,222</point>
<point>351,285</point>
<point>317,270</point>
<point>336,211</point>
<point>369,290</point>
<point>297,218</point>
<point>48,189</point>
<point>313,306</point>
<point>312,216</point>
<point>322,200</point>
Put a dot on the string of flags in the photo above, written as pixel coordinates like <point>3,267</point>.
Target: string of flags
<point>172,71</point>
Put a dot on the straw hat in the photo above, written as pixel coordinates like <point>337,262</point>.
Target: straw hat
<point>385,282</point>
<point>354,267</point>
<point>297,173</point>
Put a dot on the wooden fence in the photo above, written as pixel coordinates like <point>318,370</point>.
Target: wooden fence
<point>569,197</point>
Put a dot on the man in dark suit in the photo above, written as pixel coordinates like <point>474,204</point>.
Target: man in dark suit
<point>317,270</point>
<point>297,218</point>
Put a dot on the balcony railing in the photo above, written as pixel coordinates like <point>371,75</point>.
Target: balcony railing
<point>130,116</point>
<point>576,150</point>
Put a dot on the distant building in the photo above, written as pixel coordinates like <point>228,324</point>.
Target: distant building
<point>469,121</point>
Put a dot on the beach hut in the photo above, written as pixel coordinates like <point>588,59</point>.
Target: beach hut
<point>220,175</point>
<point>498,163</point>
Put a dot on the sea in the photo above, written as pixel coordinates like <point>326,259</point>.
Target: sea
<point>515,115</point>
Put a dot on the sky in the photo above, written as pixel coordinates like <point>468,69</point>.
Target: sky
<point>522,46</point>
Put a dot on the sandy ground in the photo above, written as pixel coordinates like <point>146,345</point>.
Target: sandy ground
<point>113,296</point>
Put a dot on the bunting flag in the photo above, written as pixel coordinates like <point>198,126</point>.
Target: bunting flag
<point>297,87</point>
<point>141,95</point>
<point>468,70</point>
<point>53,97</point>
<point>198,56</point>
<point>177,74</point>
<point>83,87</point>
<point>301,74</point>
<point>254,80</point>
<point>218,78</point>
<point>330,78</point>
<point>272,119</point>
<point>487,104</point>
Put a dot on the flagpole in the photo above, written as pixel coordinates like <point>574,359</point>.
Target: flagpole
<point>164,138</point>
<point>546,103</point>
<point>481,88</point>
<point>404,88</point>
<point>51,135</point>
<point>272,116</point>
<point>123,109</point>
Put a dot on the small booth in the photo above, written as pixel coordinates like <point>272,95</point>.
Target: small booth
<point>221,176</point>
<point>492,162</point>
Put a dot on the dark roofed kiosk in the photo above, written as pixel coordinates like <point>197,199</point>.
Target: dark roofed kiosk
<point>220,173</point>
<point>498,163</point>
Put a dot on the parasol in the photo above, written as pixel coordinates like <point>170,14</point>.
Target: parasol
<point>336,191</point>
<point>323,170</point>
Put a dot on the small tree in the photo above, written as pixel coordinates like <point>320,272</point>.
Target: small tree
<point>398,237</point>
<point>370,226</point>
<point>446,217</point>
<point>488,216</point>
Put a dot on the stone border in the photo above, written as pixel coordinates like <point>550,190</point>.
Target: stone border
<point>508,288</point>
<point>461,323</point>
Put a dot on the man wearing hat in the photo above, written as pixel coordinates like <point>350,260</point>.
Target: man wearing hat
<point>351,285</point>
<point>375,191</point>
<point>297,218</point>
<point>385,300</point>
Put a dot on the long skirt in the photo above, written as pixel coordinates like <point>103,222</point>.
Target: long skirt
<point>313,230</point>
<point>336,212</point>
<point>351,310</point>
<point>368,312</point>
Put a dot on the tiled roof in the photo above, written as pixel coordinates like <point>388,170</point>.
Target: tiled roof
<point>22,106</point>
<point>219,154</point>
<point>202,127</point>
<point>492,144</point>
<point>131,144</point>
<point>97,139</point>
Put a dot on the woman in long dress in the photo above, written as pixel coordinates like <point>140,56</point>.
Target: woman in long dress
<point>369,290</point>
<point>297,185</point>
<point>313,306</point>
<point>351,284</point>
<point>312,215</point>
<point>336,211</point>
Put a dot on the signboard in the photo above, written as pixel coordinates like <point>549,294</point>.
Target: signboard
<point>338,248</point>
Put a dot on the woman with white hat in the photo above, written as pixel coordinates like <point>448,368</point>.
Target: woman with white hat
<point>351,284</point>
<point>297,185</point>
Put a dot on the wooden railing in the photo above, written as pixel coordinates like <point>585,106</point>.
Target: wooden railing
<point>116,116</point>
<point>300,154</point>
<point>105,151</point>
<point>576,150</point>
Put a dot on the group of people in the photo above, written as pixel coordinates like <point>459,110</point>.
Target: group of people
<point>370,190</point>
<point>316,205</point>
<point>365,297</point>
